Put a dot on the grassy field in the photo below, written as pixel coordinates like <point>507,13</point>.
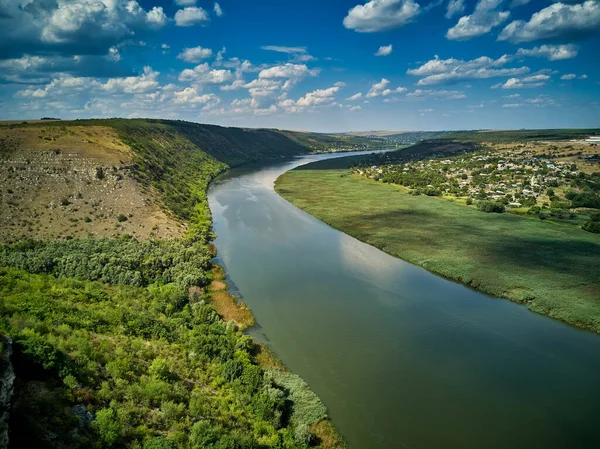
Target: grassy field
<point>550,267</point>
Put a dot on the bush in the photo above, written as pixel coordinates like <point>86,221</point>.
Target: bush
<point>469,201</point>
<point>121,218</point>
<point>592,226</point>
<point>491,207</point>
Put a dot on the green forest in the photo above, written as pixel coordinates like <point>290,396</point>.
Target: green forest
<point>116,344</point>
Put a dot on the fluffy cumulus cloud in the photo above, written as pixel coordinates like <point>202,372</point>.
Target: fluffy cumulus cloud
<point>485,17</point>
<point>557,21</point>
<point>454,8</point>
<point>550,52</point>
<point>448,71</point>
<point>528,82</point>
<point>64,26</point>
<point>318,97</point>
<point>381,89</point>
<point>204,74</point>
<point>293,73</point>
<point>195,54</point>
<point>191,97</point>
<point>381,15</point>
<point>190,16</point>
<point>384,50</point>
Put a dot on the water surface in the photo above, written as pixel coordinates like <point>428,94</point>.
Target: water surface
<point>400,357</point>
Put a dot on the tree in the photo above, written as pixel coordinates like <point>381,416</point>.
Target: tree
<point>490,206</point>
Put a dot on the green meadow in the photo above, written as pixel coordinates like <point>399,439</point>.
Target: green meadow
<point>553,268</point>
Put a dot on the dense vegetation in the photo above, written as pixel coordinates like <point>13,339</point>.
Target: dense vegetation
<point>116,341</point>
<point>119,366</point>
<point>545,265</point>
<point>521,135</point>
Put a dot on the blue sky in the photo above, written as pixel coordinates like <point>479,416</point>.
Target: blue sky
<point>310,65</point>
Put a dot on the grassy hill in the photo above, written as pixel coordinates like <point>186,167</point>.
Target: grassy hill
<point>123,332</point>
<point>521,135</point>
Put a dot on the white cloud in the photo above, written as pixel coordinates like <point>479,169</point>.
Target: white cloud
<point>384,50</point>
<point>557,21</point>
<point>356,96</point>
<point>217,9</point>
<point>355,108</point>
<point>156,18</point>
<point>237,84</point>
<point>67,86</point>
<point>381,15</point>
<point>195,54</point>
<point>318,97</point>
<point>420,94</point>
<point>454,7</point>
<point>286,71</point>
<point>185,2</point>
<point>113,54</point>
<point>190,96</point>
<point>381,89</point>
<point>448,71</point>
<point>190,16</point>
<point>528,82</point>
<point>572,76</point>
<point>132,84</point>
<point>165,48</point>
<point>202,74</point>
<point>550,52</point>
<point>513,105</point>
<point>485,17</point>
<point>84,27</point>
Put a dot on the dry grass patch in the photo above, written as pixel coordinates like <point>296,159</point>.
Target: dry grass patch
<point>329,438</point>
<point>225,304</point>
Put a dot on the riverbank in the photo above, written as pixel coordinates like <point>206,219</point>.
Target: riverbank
<point>124,335</point>
<point>546,266</point>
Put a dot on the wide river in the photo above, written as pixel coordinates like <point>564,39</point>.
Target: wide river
<point>400,357</point>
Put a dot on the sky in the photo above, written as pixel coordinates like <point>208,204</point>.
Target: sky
<point>327,66</point>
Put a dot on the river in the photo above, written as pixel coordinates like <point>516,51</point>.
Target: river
<point>400,357</point>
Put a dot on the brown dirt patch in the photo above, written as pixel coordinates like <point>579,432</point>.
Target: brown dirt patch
<point>216,286</point>
<point>50,187</point>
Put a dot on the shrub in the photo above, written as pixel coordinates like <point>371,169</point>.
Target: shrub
<point>469,201</point>
<point>121,218</point>
<point>100,173</point>
<point>490,207</point>
<point>109,424</point>
<point>592,226</point>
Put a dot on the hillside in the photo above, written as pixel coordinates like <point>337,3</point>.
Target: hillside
<point>123,332</point>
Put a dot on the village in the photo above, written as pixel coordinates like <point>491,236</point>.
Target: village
<point>520,178</point>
